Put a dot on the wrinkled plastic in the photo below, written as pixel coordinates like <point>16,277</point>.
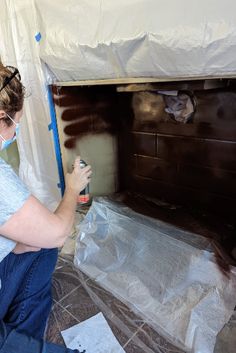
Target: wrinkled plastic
<point>89,299</point>
<point>164,274</point>
<point>103,39</point>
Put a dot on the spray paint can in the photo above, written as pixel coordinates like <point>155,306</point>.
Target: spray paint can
<point>83,197</point>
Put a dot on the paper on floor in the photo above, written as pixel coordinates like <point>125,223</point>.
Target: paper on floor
<point>92,335</point>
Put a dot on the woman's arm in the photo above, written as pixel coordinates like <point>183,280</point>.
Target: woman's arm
<point>34,225</point>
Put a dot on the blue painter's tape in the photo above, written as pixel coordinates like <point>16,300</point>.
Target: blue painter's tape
<point>53,126</point>
<point>38,37</point>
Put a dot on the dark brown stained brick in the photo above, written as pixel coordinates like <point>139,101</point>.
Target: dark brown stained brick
<point>222,131</point>
<point>90,124</point>
<point>65,97</point>
<point>82,110</point>
<point>209,179</point>
<point>216,107</point>
<point>156,169</point>
<point>215,117</point>
<point>83,96</point>
<point>216,154</point>
<point>181,195</point>
<point>144,144</point>
<point>132,165</point>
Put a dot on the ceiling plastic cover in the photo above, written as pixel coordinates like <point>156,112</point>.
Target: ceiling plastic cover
<point>103,39</point>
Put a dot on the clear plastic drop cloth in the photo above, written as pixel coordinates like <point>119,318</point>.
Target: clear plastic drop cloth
<point>19,47</point>
<point>167,276</point>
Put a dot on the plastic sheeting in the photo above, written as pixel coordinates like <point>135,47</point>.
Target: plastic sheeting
<point>103,39</point>
<point>163,273</point>
<point>84,298</point>
<point>18,47</point>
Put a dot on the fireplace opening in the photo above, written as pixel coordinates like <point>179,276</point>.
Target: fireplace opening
<point>180,172</point>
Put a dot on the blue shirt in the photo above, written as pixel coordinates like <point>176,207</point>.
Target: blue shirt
<point>13,194</point>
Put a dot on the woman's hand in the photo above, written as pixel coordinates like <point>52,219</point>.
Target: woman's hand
<point>79,178</point>
<point>23,248</point>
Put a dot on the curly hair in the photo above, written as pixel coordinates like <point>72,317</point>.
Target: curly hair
<point>12,95</point>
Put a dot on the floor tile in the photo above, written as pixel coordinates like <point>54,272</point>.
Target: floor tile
<point>147,340</point>
<point>59,320</point>
<point>79,304</point>
<point>133,348</point>
<point>64,280</point>
<point>226,339</point>
<point>123,322</point>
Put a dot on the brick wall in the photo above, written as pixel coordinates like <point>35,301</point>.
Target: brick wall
<point>193,163</point>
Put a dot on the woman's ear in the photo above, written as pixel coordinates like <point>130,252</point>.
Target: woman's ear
<point>2,114</point>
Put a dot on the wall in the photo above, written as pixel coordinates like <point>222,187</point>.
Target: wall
<point>193,163</point>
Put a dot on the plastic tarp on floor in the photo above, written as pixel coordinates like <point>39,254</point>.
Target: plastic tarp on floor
<point>102,39</point>
<point>168,276</point>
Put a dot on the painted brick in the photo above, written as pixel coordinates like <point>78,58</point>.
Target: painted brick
<point>216,154</point>
<point>156,169</point>
<point>144,144</point>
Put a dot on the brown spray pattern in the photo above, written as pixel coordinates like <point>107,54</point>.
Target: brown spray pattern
<point>89,112</point>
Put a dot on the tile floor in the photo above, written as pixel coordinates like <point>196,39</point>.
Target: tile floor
<point>76,298</point>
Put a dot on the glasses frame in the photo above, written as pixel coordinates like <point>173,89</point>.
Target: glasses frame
<point>10,78</point>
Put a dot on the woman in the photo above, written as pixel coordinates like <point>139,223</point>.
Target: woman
<point>29,237</point>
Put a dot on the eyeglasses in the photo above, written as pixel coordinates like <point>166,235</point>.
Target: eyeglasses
<point>15,73</point>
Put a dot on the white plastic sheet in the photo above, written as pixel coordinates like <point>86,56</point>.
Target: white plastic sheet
<point>102,39</point>
<point>163,273</point>
<point>18,47</point>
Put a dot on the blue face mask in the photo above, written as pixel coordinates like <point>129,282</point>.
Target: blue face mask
<point>6,143</point>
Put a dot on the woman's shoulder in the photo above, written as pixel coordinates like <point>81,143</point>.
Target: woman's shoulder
<point>2,162</point>
<point>13,192</point>
<point>10,183</point>
<point>6,171</point>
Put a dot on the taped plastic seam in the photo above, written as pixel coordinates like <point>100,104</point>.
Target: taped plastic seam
<point>137,38</point>
<point>18,47</point>
<point>176,287</point>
